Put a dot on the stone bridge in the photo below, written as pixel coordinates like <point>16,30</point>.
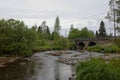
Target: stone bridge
<point>82,43</point>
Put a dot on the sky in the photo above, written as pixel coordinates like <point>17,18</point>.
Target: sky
<point>80,13</point>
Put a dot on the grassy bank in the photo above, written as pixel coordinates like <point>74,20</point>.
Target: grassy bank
<point>98,70</point>
<point>104,48</point>
<point>48,48</point>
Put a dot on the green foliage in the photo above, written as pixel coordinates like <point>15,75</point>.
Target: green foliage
<point>104,48</point>
<point>83,33</point>
<point>43,31</point>
<point>42,48</point>
<point>74,33</point>
<point>16,38</point>
<point>102,30</point>
<point>62,43</point>
<point>57,25</point>
<point>58,48</point>
<point>34,27</point>
<point>44,37</point>
<point>117,41</point>
<point>55,36</point>
<point>98,70</point>
<point>48,31</point>
<point>96,48</point>
<point>72,45</point>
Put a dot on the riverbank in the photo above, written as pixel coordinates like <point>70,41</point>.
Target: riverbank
<point>4,60</point>
<point>48,65</point>
<point>66,56</point>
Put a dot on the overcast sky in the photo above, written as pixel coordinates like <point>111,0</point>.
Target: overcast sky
<point>78,12</point>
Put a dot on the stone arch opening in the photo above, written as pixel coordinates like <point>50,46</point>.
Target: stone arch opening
<point>91,43</point>
<point>81,45</point>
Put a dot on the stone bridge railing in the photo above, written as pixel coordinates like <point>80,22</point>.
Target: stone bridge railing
<point>93,39</point>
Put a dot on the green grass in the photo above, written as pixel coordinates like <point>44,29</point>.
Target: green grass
<point>98,70</point>
<point>104,48</point>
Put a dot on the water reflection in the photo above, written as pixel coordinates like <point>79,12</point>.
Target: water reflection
<point>51,69</point>
<point>19,70</point>
<point>32,70</point>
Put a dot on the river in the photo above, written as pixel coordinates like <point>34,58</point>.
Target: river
<point>42,66</point>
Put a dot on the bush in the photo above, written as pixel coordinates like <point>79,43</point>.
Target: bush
<point>47,48</point>
<point>112,49</point>
<point>72,45</point>
<point>104,48</point>
<point>42,48</point>
<point>58,48</point>
<point>61,43</point>
<point>16,38</point>
<point>98,70</point>
<point>96,48</point>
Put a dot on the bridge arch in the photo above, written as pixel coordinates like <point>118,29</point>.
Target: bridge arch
<point>91,43</point>
<point>81,45</point>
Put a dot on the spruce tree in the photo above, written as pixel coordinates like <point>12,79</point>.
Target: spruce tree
<point>102,30</point>
<point>56,28</point>
<point>48,30</point>
<point>97,34</point>
<point>40,30</point>
<point>57,25</point>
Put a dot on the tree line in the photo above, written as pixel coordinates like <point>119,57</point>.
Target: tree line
<point>17,38</point>
<point>86,33</point>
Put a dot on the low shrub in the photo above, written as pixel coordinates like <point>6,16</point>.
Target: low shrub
<point>48,48</point>
<point>96,48</point>
<point>58,48</point>
<point>42,48</point>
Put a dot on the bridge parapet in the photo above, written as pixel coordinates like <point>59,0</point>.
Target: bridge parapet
<point>92,39</point>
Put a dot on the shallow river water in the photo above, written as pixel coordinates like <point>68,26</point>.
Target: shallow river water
<point>42,66</point>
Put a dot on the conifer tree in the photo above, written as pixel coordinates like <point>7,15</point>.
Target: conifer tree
<point>57,28</point>
<point>102,30</point>
<point>57,25</point>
